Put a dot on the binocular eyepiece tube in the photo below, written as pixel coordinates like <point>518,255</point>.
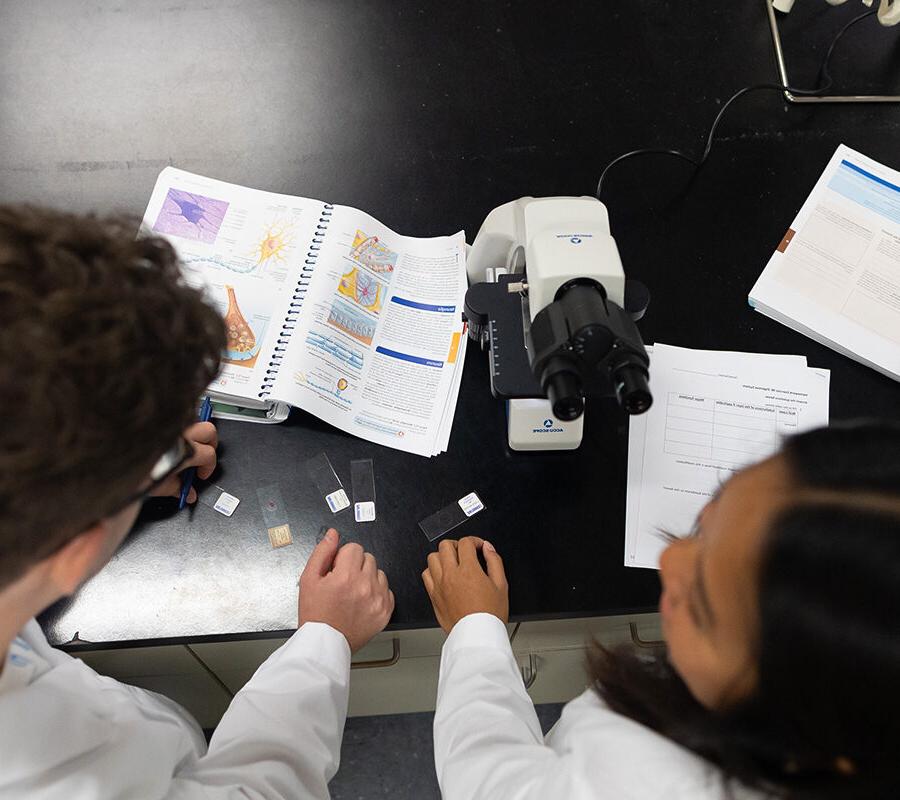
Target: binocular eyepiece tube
<point>565,392</point>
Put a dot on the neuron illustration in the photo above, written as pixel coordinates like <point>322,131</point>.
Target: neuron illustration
<point>241,346</point>
<point>371,253</point>
<point>191,216</point>
<point>273,243</point>
<point>363,289</point>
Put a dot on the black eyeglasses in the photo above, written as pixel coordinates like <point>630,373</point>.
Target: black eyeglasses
<point>166,465</point>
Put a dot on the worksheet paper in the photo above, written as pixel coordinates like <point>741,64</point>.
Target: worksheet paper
<point>835,276</point>
<point>713,413</point>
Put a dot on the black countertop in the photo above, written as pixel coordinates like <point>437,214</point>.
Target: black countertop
<point>428,115</point>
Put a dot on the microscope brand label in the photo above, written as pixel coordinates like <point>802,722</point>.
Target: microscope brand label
<point>471,504</point>
<point>548,428</point>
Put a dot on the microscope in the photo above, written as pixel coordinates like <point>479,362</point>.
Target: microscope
<point>549,300</point>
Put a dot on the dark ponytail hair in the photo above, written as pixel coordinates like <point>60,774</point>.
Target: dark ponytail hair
<point>824,720</point>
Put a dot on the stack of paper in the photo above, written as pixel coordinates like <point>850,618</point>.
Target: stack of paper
<point>835,277</point>
<point>713,413</point>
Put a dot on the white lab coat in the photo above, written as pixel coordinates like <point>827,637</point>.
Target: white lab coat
<point>67,732</point>
<point>488,743</point>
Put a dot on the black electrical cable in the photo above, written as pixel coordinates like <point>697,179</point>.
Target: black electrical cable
<point>823,70</point>
<point>699,162</point>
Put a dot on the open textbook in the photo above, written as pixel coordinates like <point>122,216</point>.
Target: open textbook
<point>835,276</point>
<point>325,308</point>
<point>714,413</point>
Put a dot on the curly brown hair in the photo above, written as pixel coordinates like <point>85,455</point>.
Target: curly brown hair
<point>104,351</point>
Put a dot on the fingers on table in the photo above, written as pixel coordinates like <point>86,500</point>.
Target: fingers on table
<point>495,569</point>
<point>468,550</point>
<point>448,553</point>
<point>351,556</point>
<point>434,566</point>
<point>428,581</point>
<point>322,558</point>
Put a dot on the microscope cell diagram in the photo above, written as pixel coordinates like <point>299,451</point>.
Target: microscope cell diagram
<point>191,216</point>
<point>549,299</point>
<point>363,289</point>
<point>372,254</point>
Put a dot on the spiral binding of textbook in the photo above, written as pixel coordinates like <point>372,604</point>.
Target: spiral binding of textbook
<point>290,320</point>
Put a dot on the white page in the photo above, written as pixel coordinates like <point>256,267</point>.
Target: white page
<point>637,437</point>
<point>837,271</point>
<point>713,413</point>
<point>245,248</point>
<point>376,346</point>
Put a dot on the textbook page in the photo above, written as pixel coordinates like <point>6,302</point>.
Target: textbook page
<point>714,412</point>
<point>377,348</point>
<point>835,276</point>
<point>244,248</point>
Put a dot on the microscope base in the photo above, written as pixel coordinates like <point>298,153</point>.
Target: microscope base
<point>532,426</point>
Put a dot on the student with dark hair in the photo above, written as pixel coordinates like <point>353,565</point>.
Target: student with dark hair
<point>781,672</point>
<point>104,352</point>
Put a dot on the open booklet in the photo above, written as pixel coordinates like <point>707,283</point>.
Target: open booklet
<point>835,276</point>
<point>325,308</point>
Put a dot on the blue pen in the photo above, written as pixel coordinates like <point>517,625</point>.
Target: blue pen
<point>189,474</point>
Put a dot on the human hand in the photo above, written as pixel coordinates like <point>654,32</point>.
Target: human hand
<point>205,439</point>
<point>458,586</point>
<point>345,589</point>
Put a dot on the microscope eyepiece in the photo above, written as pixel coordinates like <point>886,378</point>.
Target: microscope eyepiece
<point>564,389</point>
<point>632,388</point>
<point>583,344</point>
<point>568,404</point>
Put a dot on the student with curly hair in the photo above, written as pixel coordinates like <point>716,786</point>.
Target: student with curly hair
<point>104,352</point>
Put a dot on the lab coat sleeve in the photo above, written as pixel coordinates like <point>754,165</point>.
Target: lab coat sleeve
<point>281,735</point>
<point>487,738</point>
